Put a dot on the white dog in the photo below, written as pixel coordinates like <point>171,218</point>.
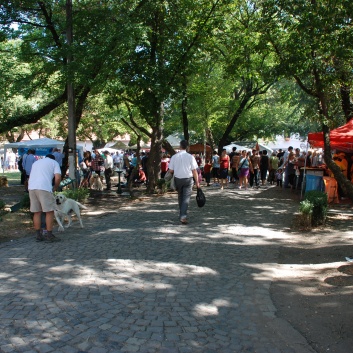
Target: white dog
<point>96,182</point>
<point>64,207</point>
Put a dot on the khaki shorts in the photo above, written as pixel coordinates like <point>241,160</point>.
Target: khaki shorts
<point>41,201</point>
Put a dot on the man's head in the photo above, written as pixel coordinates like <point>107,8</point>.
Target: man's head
<point>106,153</point>
<point>50,156</point>
<point>290,148</point>
<point>234,149</point>
<point>184,144</point>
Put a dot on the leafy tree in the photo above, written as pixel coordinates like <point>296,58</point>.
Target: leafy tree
<point>322,63</point>
<point>166,36</point>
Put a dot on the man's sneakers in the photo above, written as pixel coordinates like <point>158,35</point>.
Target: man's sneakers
<point>44,235</point>
<point>39,237</point>
<point>51,238</point>
<point>183,221</point>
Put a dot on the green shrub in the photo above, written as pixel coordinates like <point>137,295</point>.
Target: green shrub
<point>79,195</point>
<point>25,203</point>
<point>2,204</point>
<point>162,185</point>
<point>306,207</point>
<point>319,201</point>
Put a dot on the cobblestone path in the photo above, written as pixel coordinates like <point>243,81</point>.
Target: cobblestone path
<point>135,280</point>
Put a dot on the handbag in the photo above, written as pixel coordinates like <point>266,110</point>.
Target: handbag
<point>200,198</point>
<point>168,176</point>
<point>172,183</point>
<point>239,169</point>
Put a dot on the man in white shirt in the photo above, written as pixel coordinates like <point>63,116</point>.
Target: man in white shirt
<point>108,171</point>
<point>284,165</point>
<point>184,167</point>
<point>40,187</point>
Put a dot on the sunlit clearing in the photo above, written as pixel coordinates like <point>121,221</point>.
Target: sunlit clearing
<point>210,309</point>
<point>128,273</point>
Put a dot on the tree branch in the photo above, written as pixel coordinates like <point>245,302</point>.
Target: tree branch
<point>133,122</point>
<point>50,24</point>
<point>192,43</point>
<point>33,117</point>
<point>304,88</point>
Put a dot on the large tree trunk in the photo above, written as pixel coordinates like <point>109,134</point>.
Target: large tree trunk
<point>154,159</point>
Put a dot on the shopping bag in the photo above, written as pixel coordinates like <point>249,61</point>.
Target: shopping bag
<point>200,198</point>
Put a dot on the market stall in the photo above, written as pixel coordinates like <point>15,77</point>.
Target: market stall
<point>341,139</point>
<point>42,146</point>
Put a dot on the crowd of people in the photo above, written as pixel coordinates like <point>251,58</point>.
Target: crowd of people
<point>253,169</point>
<point>244,169</point>
<point>104,164</point>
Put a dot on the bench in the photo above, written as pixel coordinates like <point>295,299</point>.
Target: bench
<point>67,182</point>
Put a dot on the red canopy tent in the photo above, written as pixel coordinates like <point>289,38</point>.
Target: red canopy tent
<point>340,138</point>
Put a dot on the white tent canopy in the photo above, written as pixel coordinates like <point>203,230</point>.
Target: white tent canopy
<point>174,140</point>
<point>283,143</point>
<point>44,142</point>
<point>229,148</point>
<point>42,146</point>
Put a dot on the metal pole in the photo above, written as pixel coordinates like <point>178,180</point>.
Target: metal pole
<point>70,95</point>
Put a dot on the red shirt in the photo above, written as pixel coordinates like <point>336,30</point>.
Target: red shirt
<point>207,168</point>
<point>164,166</point>
<point>224,163</point>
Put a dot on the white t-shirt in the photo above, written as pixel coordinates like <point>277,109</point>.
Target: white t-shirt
<point>183,164</point>
<point>108,162</point>
<point>42,174</point>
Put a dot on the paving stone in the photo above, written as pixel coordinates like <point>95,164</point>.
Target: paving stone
<point>137,281</point>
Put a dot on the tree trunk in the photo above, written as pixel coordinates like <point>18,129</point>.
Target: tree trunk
<point>154,159</point>
<point>223,140</point>
<point>184,113</point>
<point>209,138</point>
<point>347,105</point>
<point>168,147</point>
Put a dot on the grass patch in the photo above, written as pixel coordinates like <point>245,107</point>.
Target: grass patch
<point>14,178</point>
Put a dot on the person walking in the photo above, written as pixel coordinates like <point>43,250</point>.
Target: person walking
<point>254,173</point>
<point>264,166</point>
<point>245,166</point>
<point>27,163</point>
<point>40,187</point>
<point>224,168</point>
<point>97,163</point>
<point>108,169</point>
<point>184,167</point>
<point>215,167</point>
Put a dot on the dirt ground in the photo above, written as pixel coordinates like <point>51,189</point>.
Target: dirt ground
<point>313,282</point>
